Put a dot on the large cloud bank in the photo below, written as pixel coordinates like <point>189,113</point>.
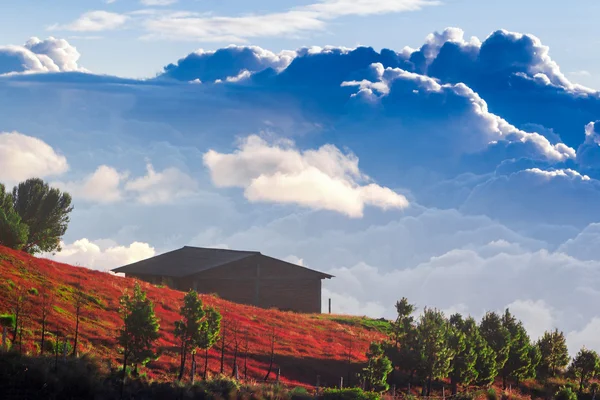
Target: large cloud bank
<point>477,186</point>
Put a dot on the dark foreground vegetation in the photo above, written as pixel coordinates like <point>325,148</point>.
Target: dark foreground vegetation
<point>50,378</point>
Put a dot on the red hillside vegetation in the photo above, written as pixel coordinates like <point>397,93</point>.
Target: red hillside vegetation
<point>305,345</point>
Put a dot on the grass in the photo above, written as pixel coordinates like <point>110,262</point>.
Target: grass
<point>380,325</point>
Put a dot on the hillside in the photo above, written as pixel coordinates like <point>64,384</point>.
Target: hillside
<point>305,345</point>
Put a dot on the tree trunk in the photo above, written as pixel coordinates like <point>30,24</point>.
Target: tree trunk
<point>21,340</point>
<point>193,369</point>
<point>235,355</point>
<point>4,329</point>
<point>429,386</point>
<point>76,332</point>
<point>182,364</point>
<point>124,372</point>
<point>206,364</point>
<point>14,335</point>
<point>222,352</point>
<point>503,381</point>
<point>43,336</point>
<point>454,386</point>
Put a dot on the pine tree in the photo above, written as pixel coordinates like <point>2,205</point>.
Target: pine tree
<point>554,352</point>
<point>190,328</point>
<point>209,334</point>
<point>140,329</point>
<point>585,366</point>
<point>496,336</point>
<point>462,342</point>
<point>432,347</point>
<point>519,363</point>
<point>377,369</point>
<point>485,365</point>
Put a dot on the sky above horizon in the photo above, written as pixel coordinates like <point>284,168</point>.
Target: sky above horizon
<point>121,34</point>
<point>454,160</point>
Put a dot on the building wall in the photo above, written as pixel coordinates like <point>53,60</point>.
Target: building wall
<point>261,281</point>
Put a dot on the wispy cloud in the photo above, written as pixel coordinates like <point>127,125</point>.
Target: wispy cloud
<point>158,2</point>
<point>184,25</point>
<point>312,17</point>
<point>93,21</point>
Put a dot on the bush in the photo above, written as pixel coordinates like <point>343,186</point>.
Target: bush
<point>221,387</point>
<point>464,396</point>
<point>50,346</point>
<point>348,394</point>
<point>491,394</point>
<point>33,291</point>
<point>8,320</point>
<point>565,393</point>
<point>299,393</point>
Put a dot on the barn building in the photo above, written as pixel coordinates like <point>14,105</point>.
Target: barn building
<point>246,277</point>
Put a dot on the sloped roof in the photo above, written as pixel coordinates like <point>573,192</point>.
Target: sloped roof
<point>189,261</point>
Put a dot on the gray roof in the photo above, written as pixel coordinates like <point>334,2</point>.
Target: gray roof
<point>189,261</point>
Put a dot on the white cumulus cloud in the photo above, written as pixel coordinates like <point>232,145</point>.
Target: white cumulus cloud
<point>101,254</point>
<point>107,185</point>
<point>37,55</point>
<point>102,186</point>
<point>161,187</point>
<point>319,179</point>
<point>23,157</point>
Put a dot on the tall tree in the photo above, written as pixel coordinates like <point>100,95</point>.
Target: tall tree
<point>19,309</point>
<point>190,328</point>
<point>518,362</point>
<point>401,348</point>
<point>462,342</point>
<point>432,347</point>
<point>497,337</point>
<point>140,328</point>
<point>585,366</point>
<point>554,352</point>
<point>522,356</point>
<point>485,365</point>
<point>210,334</point>
<point>13,231</point>
<point>378,368</point>
<point>47,301</point>
<point>45,211</point>
<point>79,303</point>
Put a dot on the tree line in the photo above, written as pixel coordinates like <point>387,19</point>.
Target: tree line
<point>458,349</point>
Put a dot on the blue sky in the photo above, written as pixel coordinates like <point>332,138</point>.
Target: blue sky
<point>565,28</point>
<point>462,171</point>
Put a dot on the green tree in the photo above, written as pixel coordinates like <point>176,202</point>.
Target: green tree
<point>432,348</point>
<point>378,368</point>
<point>554,352</point>
<point>190,328</point>
<point>462,342</point>
<point>485,365</point>
<point>210,333</point>
<point>496,336</point>
<point>13,232</point>
<point>45,211</point>
<point>140,329</point>
<point>518,365</point>
<point>400,349</point>
<point>585,366</point>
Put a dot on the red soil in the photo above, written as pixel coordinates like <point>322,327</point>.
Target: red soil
<point>305,346</point>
